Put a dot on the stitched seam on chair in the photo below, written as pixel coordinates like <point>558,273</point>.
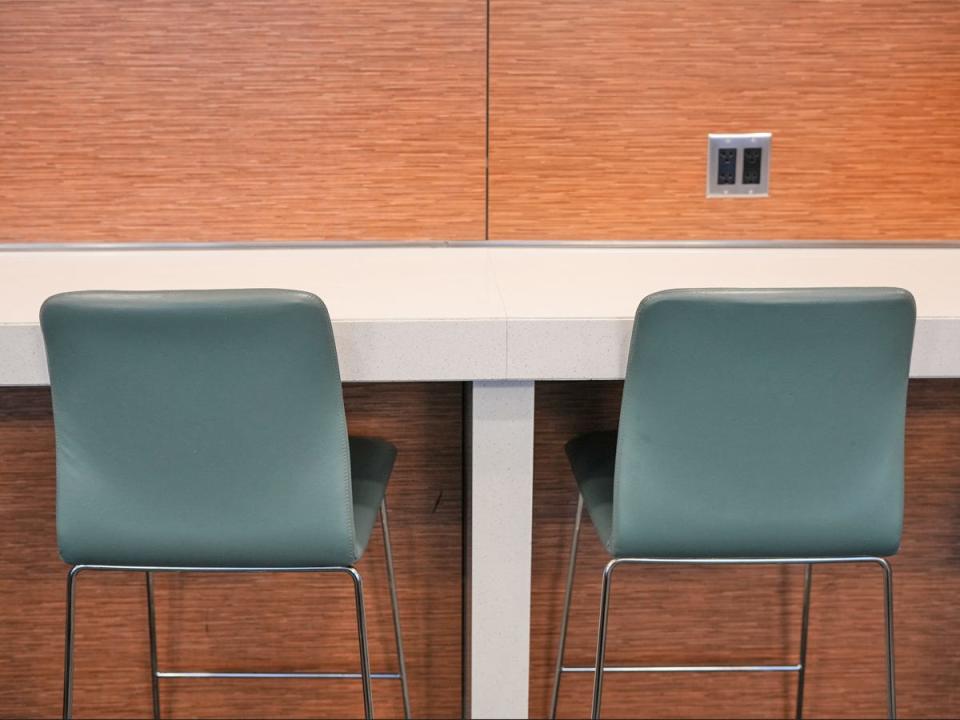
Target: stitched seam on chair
<point>614,535</point>
<point>345,439</point>
<point>348,469</point>
<point>348,481</point>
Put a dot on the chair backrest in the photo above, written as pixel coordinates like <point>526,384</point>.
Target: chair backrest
<point>198,428</point>
<point>764,423</point>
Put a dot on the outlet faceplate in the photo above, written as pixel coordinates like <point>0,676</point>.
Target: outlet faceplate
<point>746,156</point>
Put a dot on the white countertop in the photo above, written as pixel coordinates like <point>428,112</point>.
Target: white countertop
<point>474,312</point>
<point>399,313</point>
<point>408,283</point>
<point>570,310</point>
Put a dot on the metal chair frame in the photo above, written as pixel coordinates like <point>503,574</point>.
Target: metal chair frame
<point>598,669</point>
<point>156,675</point>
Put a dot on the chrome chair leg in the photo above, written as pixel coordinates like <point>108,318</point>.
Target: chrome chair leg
<point>391,580</point>
<point>152,625</point>
<point>602,637</point>
<point>365,675</point>
<point>888,617</point>
<point>68,644</point>
<point>804,628</point>
<point>364,652</point>
<point>565,618</point>
<point>598,669</point>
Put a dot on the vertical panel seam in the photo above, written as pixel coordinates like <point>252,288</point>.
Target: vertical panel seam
<point>486,138</point>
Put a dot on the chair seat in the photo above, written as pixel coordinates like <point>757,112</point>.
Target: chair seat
<point>593,459</point>
<point>371,462</point>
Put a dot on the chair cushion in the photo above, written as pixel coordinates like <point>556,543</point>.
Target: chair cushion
<point>198,428</point>
<point>764,423</point>
<point>593,458</point>
<point>371,462</point>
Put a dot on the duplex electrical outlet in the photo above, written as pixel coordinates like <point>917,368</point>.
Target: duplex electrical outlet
<point>752,165</point>
<point>738,165</point>
<point>727,166</point>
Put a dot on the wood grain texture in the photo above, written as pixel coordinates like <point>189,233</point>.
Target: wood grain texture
<point>599,113</point>
<point>177,120</point>
<point>749,615</point>
<point>279,622</point>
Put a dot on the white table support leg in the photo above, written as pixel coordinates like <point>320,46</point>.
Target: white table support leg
<point>500,472</point>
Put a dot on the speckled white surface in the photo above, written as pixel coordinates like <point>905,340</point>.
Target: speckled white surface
<point>501,520</point>
<point>381,283</point>
<point>568,349</point>
<point>368,351</point>
<point>399,314</point>
<point>596,349</point>
<point>569,310</point>
<point>420,350</point>
<point>480,313</point>
<point>610,282</point>
<point>22,357</point>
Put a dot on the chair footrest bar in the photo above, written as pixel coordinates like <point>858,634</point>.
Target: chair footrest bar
<point>278,675</point>
<point>686,668</point>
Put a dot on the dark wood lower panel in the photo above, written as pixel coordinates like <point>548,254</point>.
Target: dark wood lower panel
<point>752,615</point>
<point>274,622</point>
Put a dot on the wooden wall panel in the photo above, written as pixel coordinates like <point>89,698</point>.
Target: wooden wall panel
<point>239,622</point>
<point>724,615</point>
<point>177,120</point>
<point>599,113</point>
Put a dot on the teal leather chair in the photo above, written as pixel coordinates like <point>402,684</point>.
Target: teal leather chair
<point>757,427</point>
<point>205,431</point>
